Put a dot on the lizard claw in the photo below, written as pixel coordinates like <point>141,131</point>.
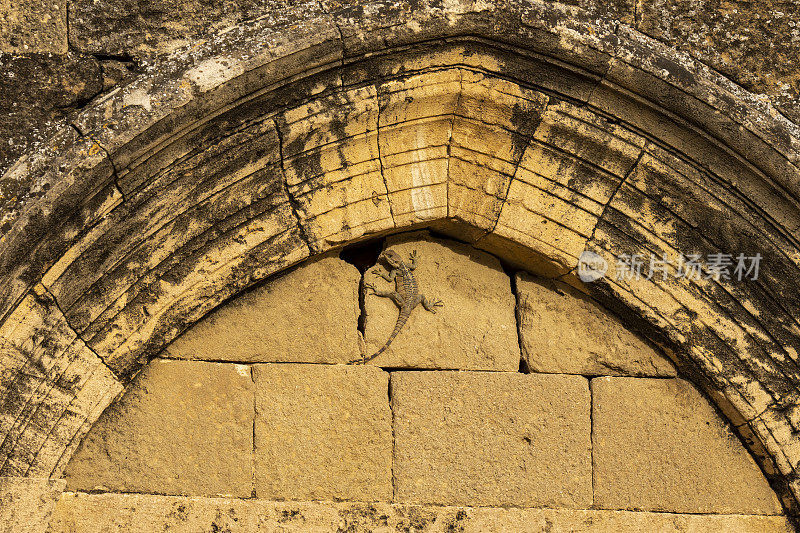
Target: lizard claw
<point>369,287</point>
<point>431,305</point>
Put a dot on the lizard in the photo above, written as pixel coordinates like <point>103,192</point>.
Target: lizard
<point>406,294</point>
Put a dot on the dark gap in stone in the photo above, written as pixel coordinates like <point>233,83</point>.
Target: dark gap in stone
<point>363,256</point>
<point>512,276</point>
<point>122,58</point>
<point>591,439</point>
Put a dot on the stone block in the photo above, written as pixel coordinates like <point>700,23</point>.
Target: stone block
<point>26,504</point>
<point>322,432</point>
<point>660,446</point>
<point>475,327</point>
<point>492,439</point>
<point>183,427</point>
<point>309,314</point>
<point>145,513</point>
<point>563,331</point>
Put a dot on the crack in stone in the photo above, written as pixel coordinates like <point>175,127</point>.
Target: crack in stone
<point>612,196</point>
<point>450,138</point>
<point>78,336</point>
<point>293,202</point>
<point>512,177</point>
<point>114,172</point>
<point>380,155</point>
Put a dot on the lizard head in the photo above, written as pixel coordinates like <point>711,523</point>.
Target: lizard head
<point>392,259</point>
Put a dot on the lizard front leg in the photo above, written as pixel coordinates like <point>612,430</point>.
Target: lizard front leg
<point>432,304</point>
<point>387,276</point>
<point>412,260</point>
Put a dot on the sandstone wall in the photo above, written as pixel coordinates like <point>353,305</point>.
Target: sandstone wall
<point>568,419</point>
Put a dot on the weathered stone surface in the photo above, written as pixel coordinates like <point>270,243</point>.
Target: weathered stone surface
<point>561,330</point>
<point>183,427</point>
<point>567,174</point>
<point>485,438</point>
<point>493,125</point>
<point>659,446</point>
<point>33,26</point>
<point>37,93</point>
<point>322,432</point>
<point>474,329</point>
<point>119,27</point>
<point>724,118</point>
<point>116,73</point>
<point>52,388</point>
<point>332,166</point>
<point>416,119</point>
<point>26,504</point>
<point>736,39</point>
<point>140,513</point>
<point>309,314</point>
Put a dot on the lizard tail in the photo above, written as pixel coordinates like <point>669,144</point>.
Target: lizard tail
<point>401,320</point>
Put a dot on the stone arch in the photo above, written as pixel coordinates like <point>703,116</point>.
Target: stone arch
<point>543,133</point>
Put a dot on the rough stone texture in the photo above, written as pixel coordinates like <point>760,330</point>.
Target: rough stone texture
<point>739,39</point>
<point>484,438</point>
<point>52,388</point>
<point>144,30</point>
<point>309,314</point>
<point>33,26</point>
<point>474,329</point>
<point>183,427</point>
<point>37,93</point>
<point>561,330</point>
<point>322,432</point>
<point>137,513</point>
<point>493,123</point>
<point>334,173</point>
<point>26,504</point>
<point>659,446</point>
<point>572,168</point>
<point>733,38</point>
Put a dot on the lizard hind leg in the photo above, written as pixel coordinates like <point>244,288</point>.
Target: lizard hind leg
<point>393,295</point>
<point>431,304</point>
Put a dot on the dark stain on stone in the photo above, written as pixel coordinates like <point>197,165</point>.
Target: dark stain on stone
<point>290,515</point>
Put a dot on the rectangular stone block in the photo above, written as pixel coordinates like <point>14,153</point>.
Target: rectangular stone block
<point>474,328</point>
<point>322,432</point>
<point>309,314</point>
<point>484,439</point>
<point>660,446</point>
<point>183,427</point>
<point>564,331</point>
